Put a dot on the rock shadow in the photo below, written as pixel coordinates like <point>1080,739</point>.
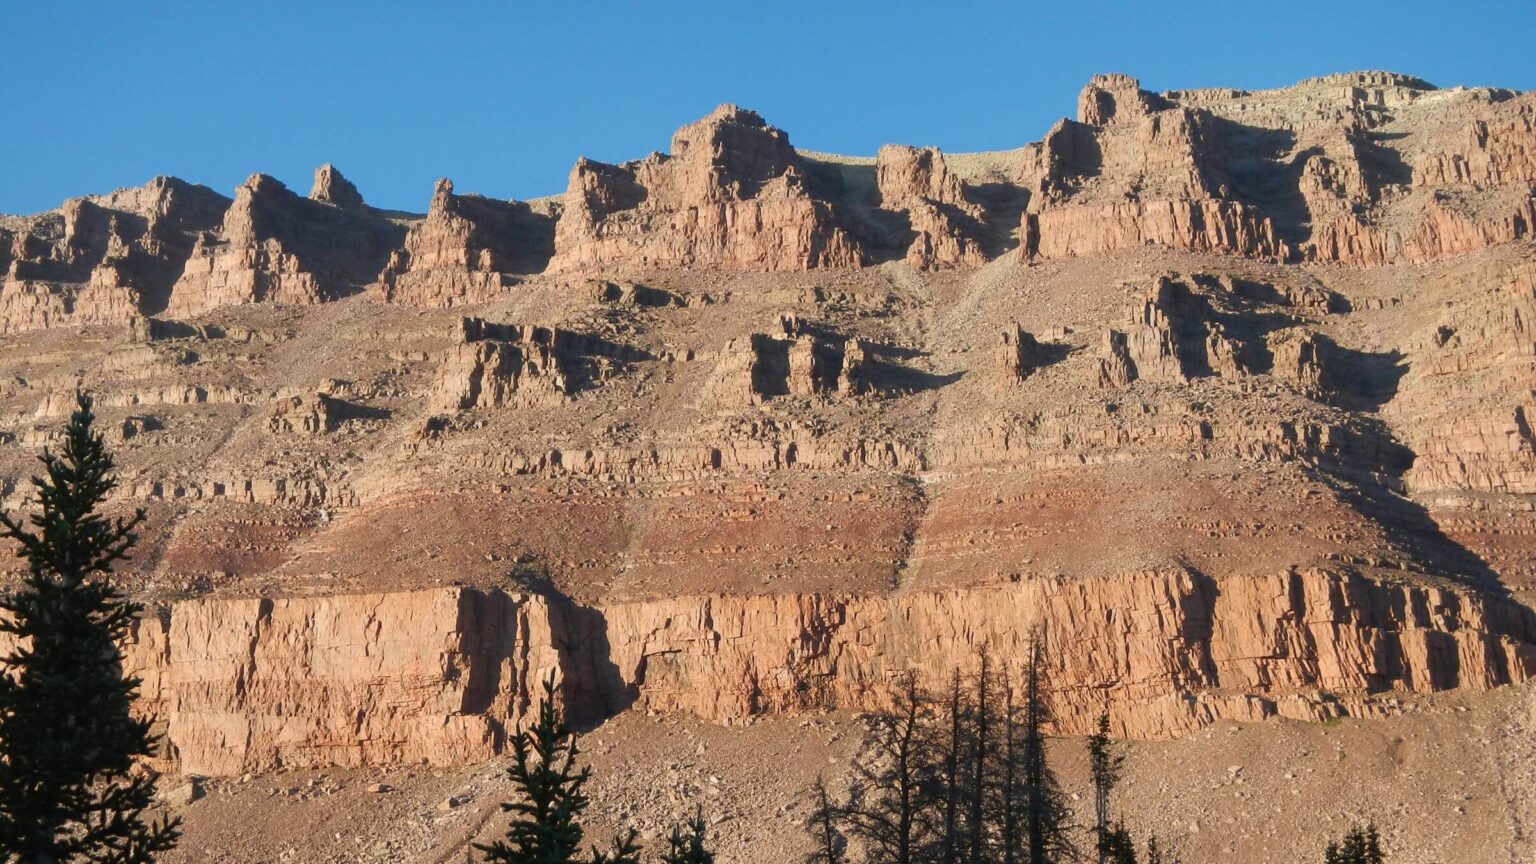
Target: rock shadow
<point>1364,380</point>
<point>1408,526</point>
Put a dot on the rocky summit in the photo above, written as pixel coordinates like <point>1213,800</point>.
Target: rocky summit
<point>1226,395</point>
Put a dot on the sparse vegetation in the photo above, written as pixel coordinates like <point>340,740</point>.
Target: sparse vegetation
<point>1359,846</point>
<point>546,827</point>
<point>964,780</point>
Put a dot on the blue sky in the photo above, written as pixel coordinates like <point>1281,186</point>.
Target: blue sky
<point>502,97</point>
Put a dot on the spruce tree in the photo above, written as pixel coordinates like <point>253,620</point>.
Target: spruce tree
<point>1104,767</point>
<point>688,847</point>
<point>982,758</point>
<point>1007,810</point>
<point>68,739</point>
<point>951,782</point>
<point>1360,846</point>
<point>545,829</point>
<point>893,786</point>
<point>1155,853</point>
<point>1045,812</point>
<point>824,826</point>
<point>1116,845</point>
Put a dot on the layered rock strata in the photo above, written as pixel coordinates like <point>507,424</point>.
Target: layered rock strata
<point>732,195</point>
<point>277,247</point>
<point>466,250</point>
<point>443,676</point>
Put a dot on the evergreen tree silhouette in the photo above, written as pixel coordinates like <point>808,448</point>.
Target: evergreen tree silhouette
<point>68,738</point>
<point>545,828</point>
<point>688,847</point>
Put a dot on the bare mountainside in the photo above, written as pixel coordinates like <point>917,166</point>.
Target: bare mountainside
<point>1226,393</point>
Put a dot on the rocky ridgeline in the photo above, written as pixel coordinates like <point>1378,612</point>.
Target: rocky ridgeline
<point>733,194</point>
<point>443,676</point>
<point>466,250</point>
<point>1313,172</point>
<point>277,247</point>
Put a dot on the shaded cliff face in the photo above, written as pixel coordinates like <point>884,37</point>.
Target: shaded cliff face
<point>1228,393</point>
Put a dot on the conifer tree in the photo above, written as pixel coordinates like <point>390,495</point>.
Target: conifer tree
<point>1116,845</point>
<point>688,847</point>
<point>1155,852</point>
<point>952,782</point>
<point>68,739</point>
<point>1045,811</point>
<point>1360,846</point>
<point>823,824</point>
<point>982,758</point>
<point>1007,809</point>
<point>1104,767</point>
<point>893,786</point>
<point>545,829</point>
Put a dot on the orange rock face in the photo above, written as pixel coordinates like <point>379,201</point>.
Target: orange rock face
<point>731,195</point>
<point>443,676</point>
<point>465,251</point>
<point>275,247</point>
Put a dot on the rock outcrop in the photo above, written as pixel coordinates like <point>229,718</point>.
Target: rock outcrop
<point>801,361</point>
<point>102,260</point>
<point>522,365</point>
<point>312,414</point>
<point>466,251</point>
<point>1018,354</point>
<point>1495,147</point>
<point>1467,401</point>
<point>731,195</point>
<point>1168,338</point>
<point>946,225</point>
<point>495,365</point>
<point>276,247</point>
<point>1073,231</point>
<point>1116,96</point>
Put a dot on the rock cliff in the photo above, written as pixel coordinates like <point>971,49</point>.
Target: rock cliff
<point>732,194</point>
<point>466,250</point>
<point>276,247</point>
<point>443,676</point>
<point>1226,392</point>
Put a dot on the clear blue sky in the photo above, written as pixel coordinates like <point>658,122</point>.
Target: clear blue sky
<point>502,97</point>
